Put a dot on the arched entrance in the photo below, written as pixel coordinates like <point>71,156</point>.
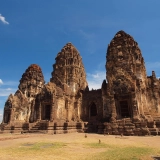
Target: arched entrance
<point>93,110</point>
<point>92,125</point>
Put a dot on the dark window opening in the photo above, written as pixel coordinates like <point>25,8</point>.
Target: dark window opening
<point>47,112</point>
<point>124,109</point>
<point>93,110</point>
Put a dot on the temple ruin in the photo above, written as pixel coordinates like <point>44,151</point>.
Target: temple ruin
<point>127,103</point>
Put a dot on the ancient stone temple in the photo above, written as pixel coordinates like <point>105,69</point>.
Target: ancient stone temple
<point>127,103</point>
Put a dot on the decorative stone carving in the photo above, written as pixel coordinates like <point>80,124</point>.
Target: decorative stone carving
<point>68,70</point>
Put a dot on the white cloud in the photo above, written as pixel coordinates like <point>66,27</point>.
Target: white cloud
<point>1,117</point>
<point>10,83</point>
<point>47,77</point>
<point>95,79</point>
<point>1,114</point>
<point>1,82</point>
<point>6,91</point>
<point>3,19</point>
<point>7,87</point>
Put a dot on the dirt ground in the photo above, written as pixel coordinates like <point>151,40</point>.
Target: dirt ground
<point>75,145</point>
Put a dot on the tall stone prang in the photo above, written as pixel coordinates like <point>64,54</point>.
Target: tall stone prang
<point>31,84</point>
<point>69,75</point>
<point>126,76</point>
<point>68,70</point>
<point>21,105</point>
<point>32,81</point>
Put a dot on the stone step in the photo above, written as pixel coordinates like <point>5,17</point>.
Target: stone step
<point>37,131</point>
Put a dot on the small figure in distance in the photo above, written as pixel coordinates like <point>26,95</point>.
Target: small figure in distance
<point>85,136</point>
<point>99,141</point>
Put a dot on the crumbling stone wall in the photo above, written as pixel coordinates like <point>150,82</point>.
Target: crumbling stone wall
<point>153,95</point>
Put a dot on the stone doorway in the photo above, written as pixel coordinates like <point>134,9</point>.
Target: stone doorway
<point>124,109</point>
<point>92,124</point>
<point>47,112</point>
<point>93,110</point>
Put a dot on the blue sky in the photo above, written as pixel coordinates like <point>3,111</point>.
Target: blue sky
<point>34,31</point>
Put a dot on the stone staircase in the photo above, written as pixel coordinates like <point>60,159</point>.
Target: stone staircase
<point>92,126</point>
<point>56,128</point>
<point>35,128</point>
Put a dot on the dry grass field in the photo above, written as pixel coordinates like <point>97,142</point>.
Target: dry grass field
<point>74,146</point>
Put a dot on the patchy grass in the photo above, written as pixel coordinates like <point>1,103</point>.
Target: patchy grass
<point>76,147</point>
<point>35,150</point>
<point>126,153</point>
<point>98,145</point>
<point>41,146</point>
<point>113,152</point>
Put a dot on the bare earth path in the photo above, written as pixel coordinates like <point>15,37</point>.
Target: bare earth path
<point>76,146</point>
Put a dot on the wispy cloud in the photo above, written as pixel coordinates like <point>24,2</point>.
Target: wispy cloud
<point>90,39</point>
<point>10,83</point>
<point>2,102</point>
<point>6,91</point>
<point>152,65</point>
<point>1,82</point>
<point>3,19</point>
<point>1,117</point>
<point>7,87</point>
<point>86,35</point>
<point>95,79</point>
<point>1,114</point>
